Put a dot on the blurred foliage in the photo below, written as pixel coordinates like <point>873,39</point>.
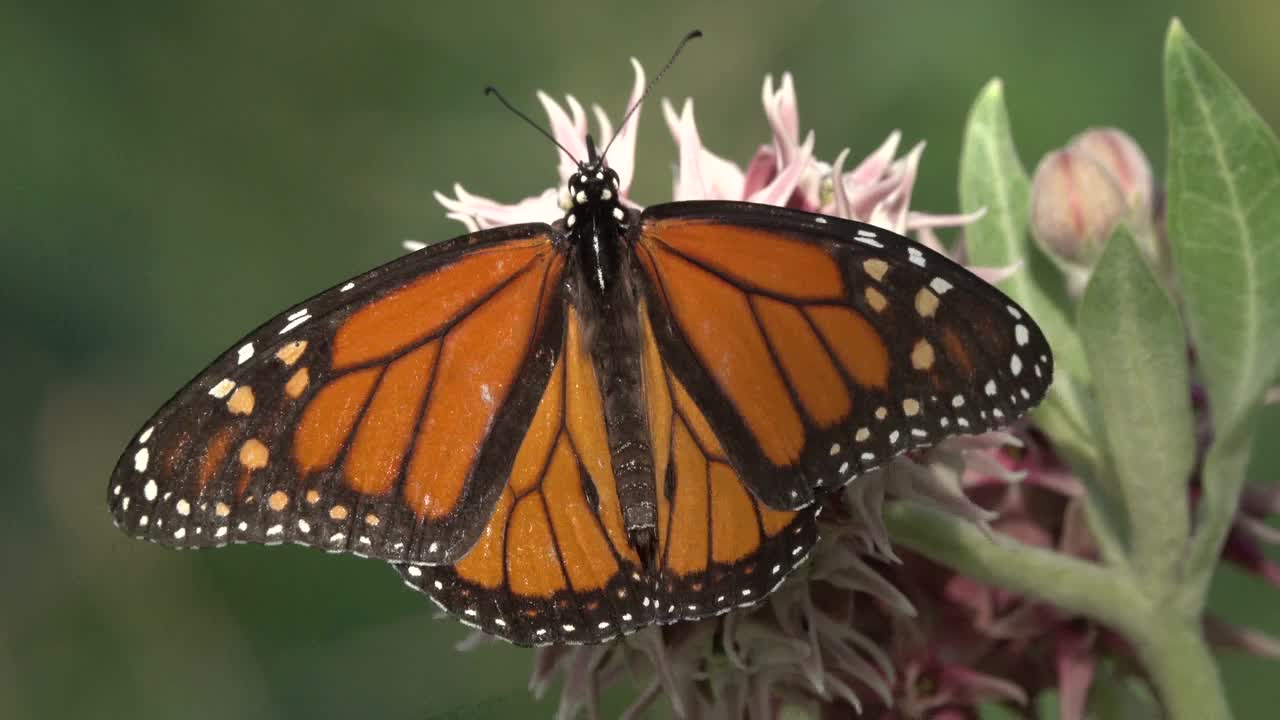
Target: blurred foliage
<point>173,173</point>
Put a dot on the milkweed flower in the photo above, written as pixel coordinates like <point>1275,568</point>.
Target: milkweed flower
<point>863,627</point>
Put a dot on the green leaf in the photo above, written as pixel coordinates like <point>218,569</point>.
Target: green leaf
<point>1136,347</point>
<point>1224,228</point>
<point>992,177</point>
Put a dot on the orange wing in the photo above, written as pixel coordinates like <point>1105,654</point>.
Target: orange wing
<point>817,348</point>
<point>553,563</point>
<point>719,547</point>
<point>377,418</point>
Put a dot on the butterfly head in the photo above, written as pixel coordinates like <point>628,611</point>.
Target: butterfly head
<point>593,193</point>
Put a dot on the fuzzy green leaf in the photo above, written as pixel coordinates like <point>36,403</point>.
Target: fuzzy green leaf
<point>1136,347</point>
<point>992,177</point>
<point>1224,228</point>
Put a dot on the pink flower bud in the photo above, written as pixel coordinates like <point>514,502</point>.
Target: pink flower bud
<point>1075,206</point>
<point>1120,155</point>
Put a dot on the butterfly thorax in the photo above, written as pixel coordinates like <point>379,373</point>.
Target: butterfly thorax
<point>597,226</point>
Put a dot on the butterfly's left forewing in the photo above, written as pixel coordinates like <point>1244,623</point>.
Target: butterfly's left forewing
<point>818,348</point>
<point>375,418</point>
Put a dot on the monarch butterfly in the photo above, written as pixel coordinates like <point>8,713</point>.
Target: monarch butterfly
<point>567,432</point>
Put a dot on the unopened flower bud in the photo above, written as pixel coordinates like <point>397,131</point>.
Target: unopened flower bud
<point>1120,155</point>
<point>1075,206</point>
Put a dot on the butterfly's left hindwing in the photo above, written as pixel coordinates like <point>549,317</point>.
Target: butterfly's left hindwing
<point>375,418</point>
<point>554,563</point>
<point>818,348</point>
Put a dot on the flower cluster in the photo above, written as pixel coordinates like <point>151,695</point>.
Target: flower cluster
<point>864,627</point>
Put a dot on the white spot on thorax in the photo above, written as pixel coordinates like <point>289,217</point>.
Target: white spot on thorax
<point>183,507</point>
<point>990,388</point>
<point>1015,365</point>
<point>140,460</point>
<point>150,490</point>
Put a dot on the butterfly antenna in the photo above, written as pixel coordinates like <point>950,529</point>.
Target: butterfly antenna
<point>491,90</point>
<point>636,105</point>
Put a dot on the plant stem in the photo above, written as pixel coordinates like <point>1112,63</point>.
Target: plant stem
<point>1179,663</point>
<point>1168,643</point>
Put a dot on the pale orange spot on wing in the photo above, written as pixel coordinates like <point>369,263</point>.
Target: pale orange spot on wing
<point>808,366</point>
<point>328,419</point>
<point>377,451</point>
<point>278,500</point>
<point>477,366</point>
<point>253,454</point>
<point>774,520</point>
<point>241,401</point>
<point>876,268</point>
<point>583,546</point>
<point>875,299</point>
<point>290,353</point>
<point>535,449</point>
<point>584,417</point>
<point>483,563</point>
<point>857,344</point>
<point>426,305</point>
<point>926,303</point>
<point>734,534</point>
<point>533,569</point>
<point>768,260</point>
<point>214,453</point>
<point>297,384</point>
<point>687,550</point>
<point>922,355</point>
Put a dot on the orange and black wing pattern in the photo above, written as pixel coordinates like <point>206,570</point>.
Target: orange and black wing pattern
<point>818,348</point>
<point>553,564</point>
<point>719,545</point>
<point>380,417</point>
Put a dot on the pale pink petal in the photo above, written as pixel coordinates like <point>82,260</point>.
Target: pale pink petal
<point>571,132</point>
<point>486,213</point>
<point>1258,643</point>
<point>622,147</point>
<point>761,171</point>
<point>702,175</point>
<point>961,683</point>
<point>876,163</point>
<point>891,213</point>
<point>921,221</point>
<point>839,205</point>
<point>929,238</point>
<point>1075,662</point>
<point>779,191</point>
<point>1273,395</point>
<point>781,108</point>
<point>994,275</point>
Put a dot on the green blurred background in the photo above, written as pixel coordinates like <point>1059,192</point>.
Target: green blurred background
<point>173,173</point>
